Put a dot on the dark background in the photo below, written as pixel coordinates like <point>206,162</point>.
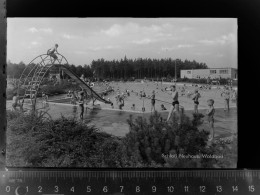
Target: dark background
<point>248,14</point>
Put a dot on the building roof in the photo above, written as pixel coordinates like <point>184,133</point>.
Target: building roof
<point>212,68</point>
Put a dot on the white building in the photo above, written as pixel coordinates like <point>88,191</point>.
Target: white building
<point>213,73</point>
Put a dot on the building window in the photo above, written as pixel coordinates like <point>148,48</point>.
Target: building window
<point>188,72</point>
<point>223,71</point>
<point>213,71</point>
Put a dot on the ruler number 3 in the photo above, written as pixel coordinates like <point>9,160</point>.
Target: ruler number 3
<point>56,188</point>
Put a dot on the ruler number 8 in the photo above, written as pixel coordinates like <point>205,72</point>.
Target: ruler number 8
<point>137,189</point>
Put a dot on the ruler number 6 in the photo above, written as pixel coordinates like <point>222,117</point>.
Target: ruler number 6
<point>105,189</point>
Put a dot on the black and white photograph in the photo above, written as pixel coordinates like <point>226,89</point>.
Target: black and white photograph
<point>122,92</point>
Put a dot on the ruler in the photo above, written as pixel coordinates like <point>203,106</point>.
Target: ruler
<point>119,182</point>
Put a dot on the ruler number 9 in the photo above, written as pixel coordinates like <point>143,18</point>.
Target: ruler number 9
<point>153,188</point>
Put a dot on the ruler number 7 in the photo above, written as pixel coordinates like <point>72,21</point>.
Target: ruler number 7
<point>121,188</point>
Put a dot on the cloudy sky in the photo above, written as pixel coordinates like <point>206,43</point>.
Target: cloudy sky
<point>81,40</point>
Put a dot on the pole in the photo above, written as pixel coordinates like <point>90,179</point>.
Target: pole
<point>175,71</point>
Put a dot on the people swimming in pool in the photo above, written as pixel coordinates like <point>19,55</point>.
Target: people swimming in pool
<point>175,102</point>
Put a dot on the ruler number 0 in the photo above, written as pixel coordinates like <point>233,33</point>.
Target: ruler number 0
<point>170,188</point>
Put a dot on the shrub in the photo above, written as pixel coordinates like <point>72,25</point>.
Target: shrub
<point>150,144</point>
<point>65,142</point>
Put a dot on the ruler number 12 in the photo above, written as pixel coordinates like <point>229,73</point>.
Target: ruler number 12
<point>202,188</point>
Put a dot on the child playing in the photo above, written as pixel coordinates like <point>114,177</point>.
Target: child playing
<point>226,95</point>
<point>44,99</point>
<point>175,102</point>
<point>81,104</point>
<point>153,101</point>
<point>210,113</point>
<point>195,98</point>
<point>51,52</point>
<point>121,102</point>
<point>163,107</point>
<point>16,102</point>
<point>133,107</point>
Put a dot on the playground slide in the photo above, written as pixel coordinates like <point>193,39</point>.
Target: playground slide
<point>83,85</point>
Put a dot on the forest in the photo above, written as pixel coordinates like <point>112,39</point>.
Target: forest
<point>122,69</point>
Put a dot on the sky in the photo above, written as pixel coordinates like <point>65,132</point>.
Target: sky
<point>81,40</point>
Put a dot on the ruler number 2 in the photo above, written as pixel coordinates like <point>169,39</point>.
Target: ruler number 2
<point>40,189</point>
<point>202,188</point>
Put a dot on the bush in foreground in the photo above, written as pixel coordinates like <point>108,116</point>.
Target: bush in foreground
<point>36,141</point>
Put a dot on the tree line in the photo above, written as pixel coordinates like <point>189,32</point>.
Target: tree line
<point>122,69</point>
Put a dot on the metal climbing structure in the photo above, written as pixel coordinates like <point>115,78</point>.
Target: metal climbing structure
<point>34,73</point>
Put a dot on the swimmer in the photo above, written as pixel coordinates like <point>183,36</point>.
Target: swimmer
<point>195,98</point>
<point>210,113</point>
<point>163,107</point>
<point>16,102</point>
<point>153,101</point>
<point>81,104</point>
<point>175,102</point>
